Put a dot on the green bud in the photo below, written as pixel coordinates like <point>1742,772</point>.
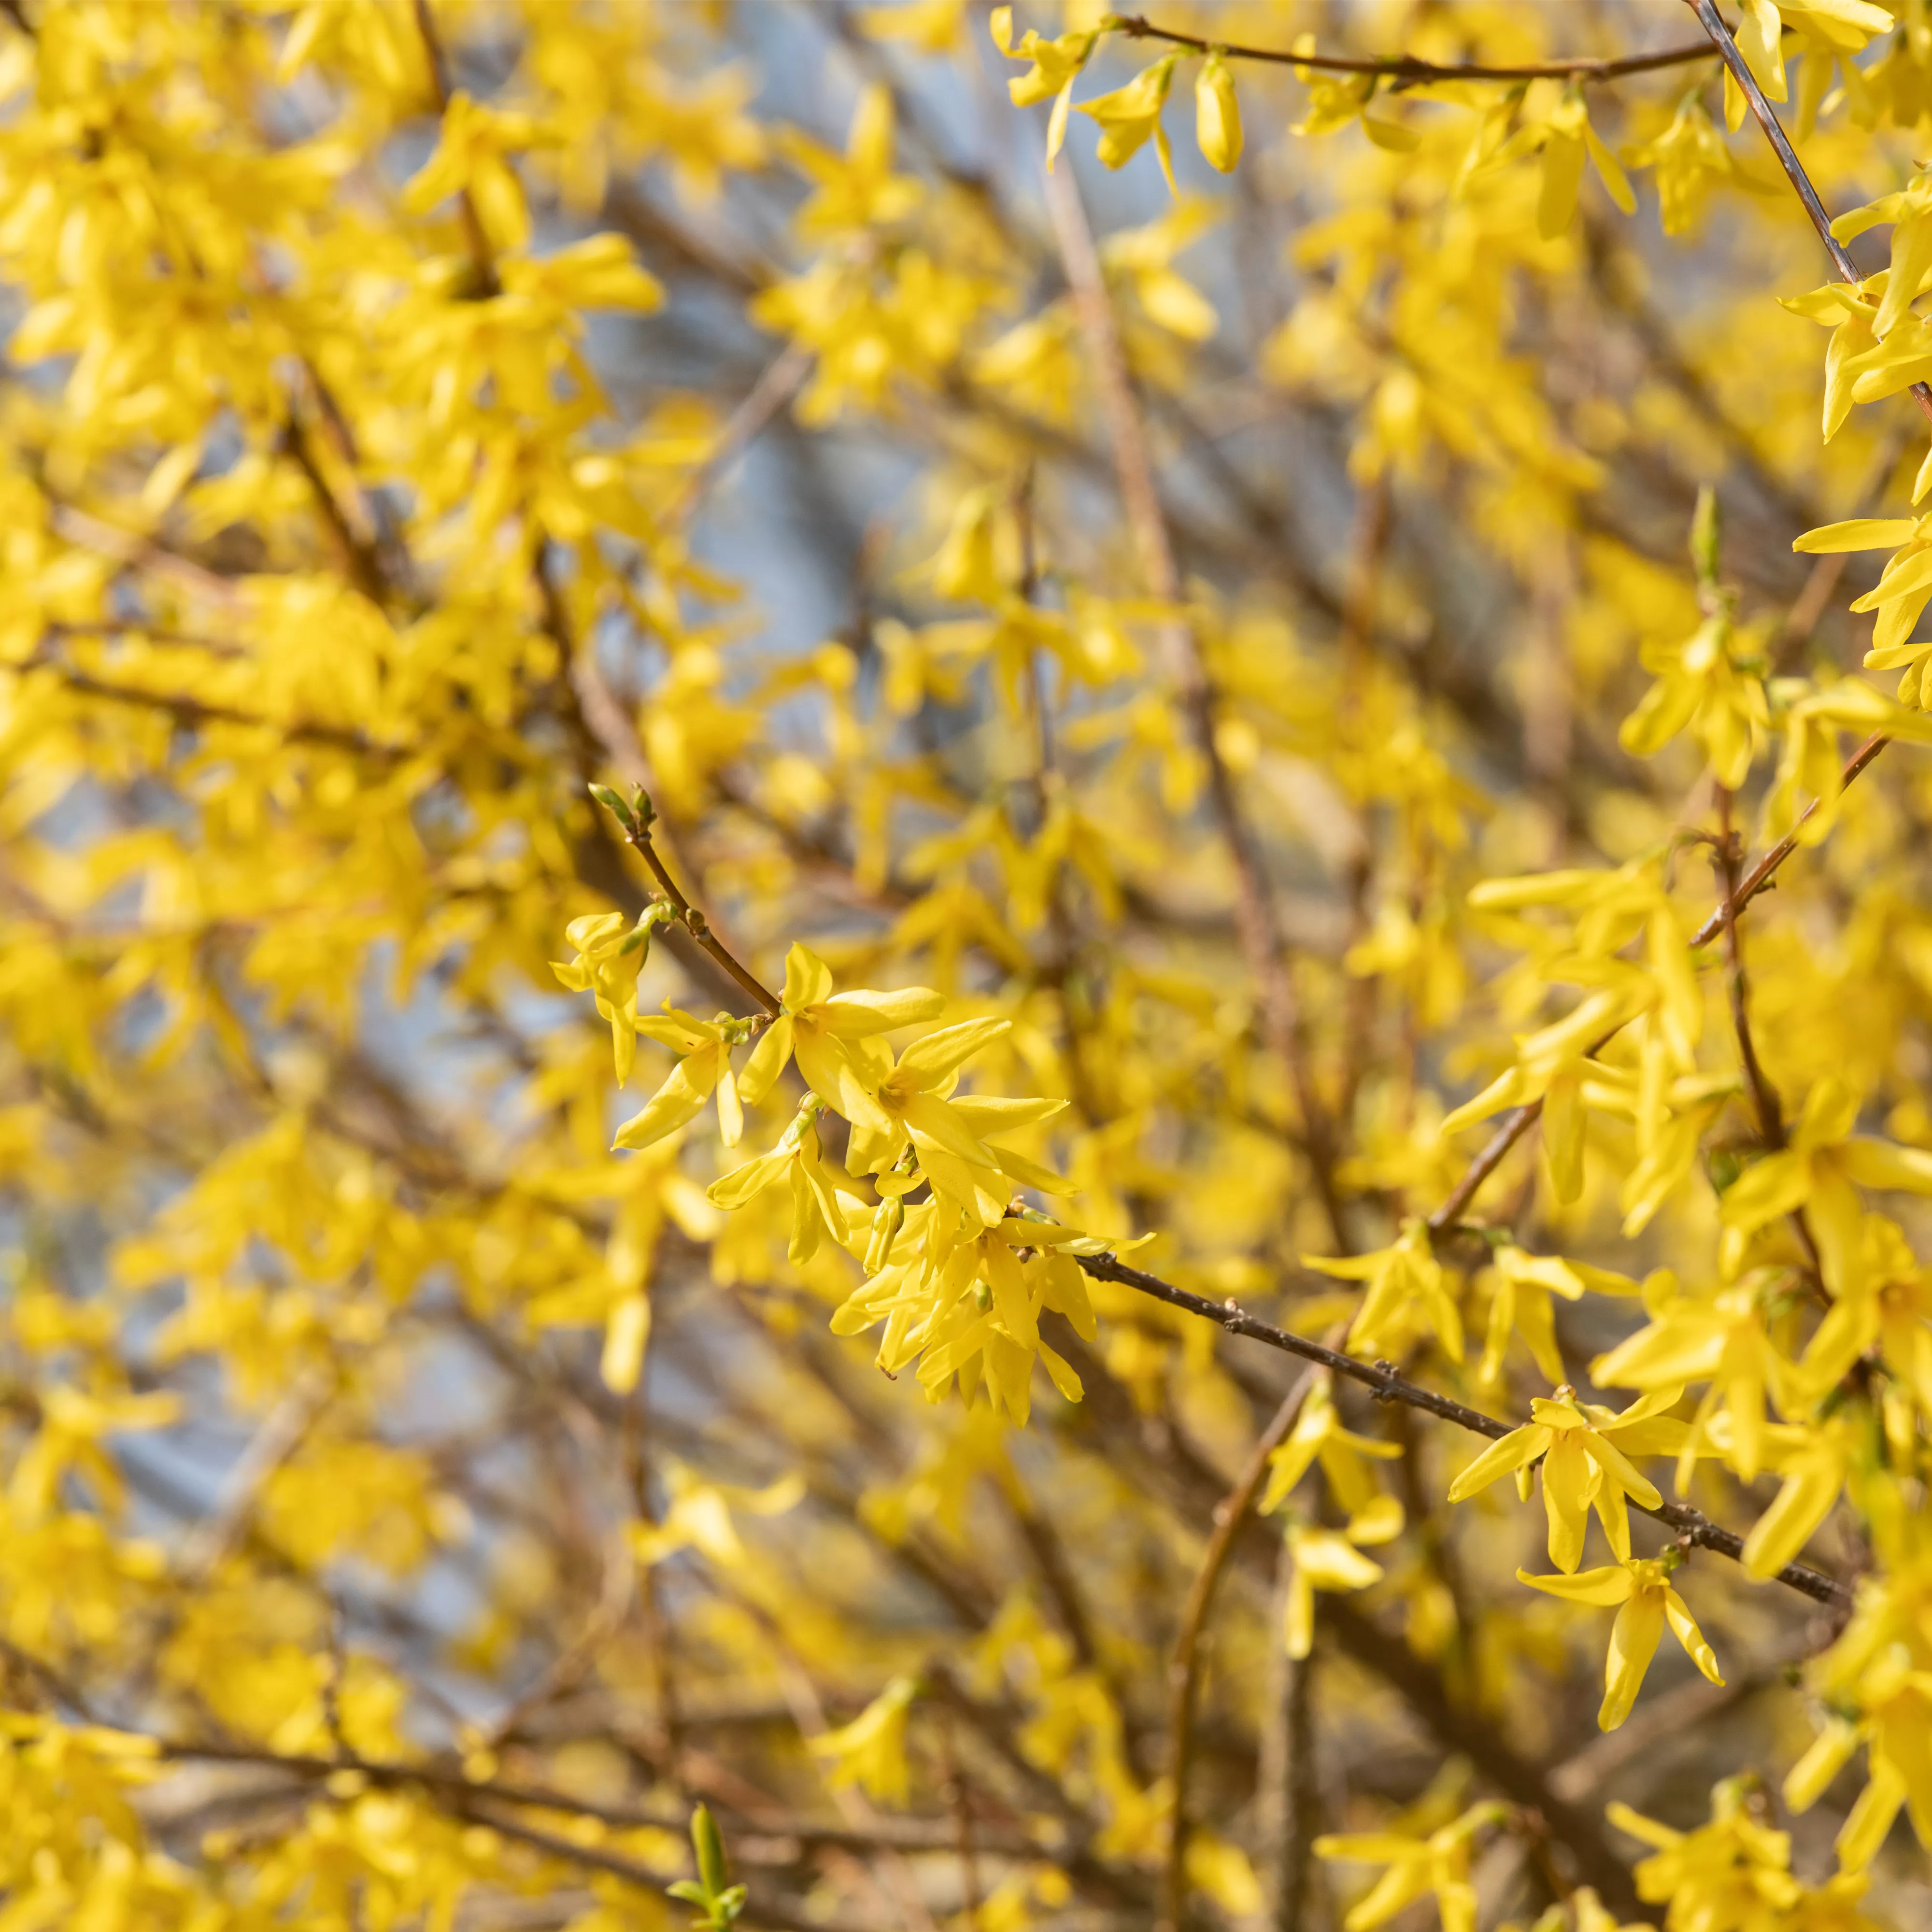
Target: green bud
<point>710,1850</point>
<point>982,1296</point>
<point>1707,537</point>
<point>614,806</point>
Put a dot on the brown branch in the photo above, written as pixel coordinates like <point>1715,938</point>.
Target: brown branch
<point>1409,71</point>
<point>778,382</point>
<point>1693,1528</point>
<point>195,711</point>
<point>1726,861</point>
<point>1184,1671</point>
<point>357,547</point>
<point>1760,876</point>
<point>1287,1791</point>
<point>639,835</point>
<point>1257,918</point>
<point>140,553</point>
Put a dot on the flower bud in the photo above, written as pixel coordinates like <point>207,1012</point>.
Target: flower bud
<point>887,1220</point>
<point>1217,114</point>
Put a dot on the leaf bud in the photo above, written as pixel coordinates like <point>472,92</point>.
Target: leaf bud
<point>614,806</point>
<point>709,1848</point>
<point>1707,537</point>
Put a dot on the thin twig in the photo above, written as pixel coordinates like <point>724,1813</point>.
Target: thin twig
<point>1692,1526</point>
<point>195,711</point>
<point>1760,876</point>
<point>482,256</point>
<point>1409,70</point>
<point>778,382</point>
<point>1726,861</point>
<point>1184,1671</point>
<point>1712,23</point>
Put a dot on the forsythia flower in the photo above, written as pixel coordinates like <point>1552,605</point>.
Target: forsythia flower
<point>1586,1451</point>
<point>1056,66</point>
<point>1405,1281</point>
<point>826,1033</point>
<point>820,1205</point>
<point>871,1751</point>
<point>704,1068</point>
<point>1323,1559</point>
<point>1711,684</point>
<point>1520,1302</point>
<point>610,955</point>
<point>1875,1684</point>
<point>1641,1588</point>
<point>1734,1871</point>
<point>1821,1171</point>
<point>1319,1435</point>
<point>1438,1863</point>
<point>1130,115</point>
<point>1721,1338</point>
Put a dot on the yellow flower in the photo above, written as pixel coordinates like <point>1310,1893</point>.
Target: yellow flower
<point>1875,1685</point>
<point>704,1068</point>
<point>610,955</point>
<point>1690,158</point>
<point>1520,1302</point>
<point>471,157</point>
<point>910,1103</point>
<point>967,1302</point>
<point>1438,1863</point>
<point>1845,25</point>
<point>699,1517</point>
<point>822,1029</point>
<point>1130,115</point>
<point>1814,1462</point>
<point>870,1751</point>
<point>1586,1451</point>
<point>857,191</point>
<point>1056,66</point>
<point>1335,100</point>
<point>1722,1338</point>
<point>1713,685</point>
<point>1820,1171</point>
<point>1848,311</point>
<point>1812,725</point>
<point>819,1204</point>
<point>1734,1871</point>
<point>1405,1281</point>
<point>1555,1064</point>
<point>1318,1434</point>
<point>1321,1559</point>
<point>1641,1588</point>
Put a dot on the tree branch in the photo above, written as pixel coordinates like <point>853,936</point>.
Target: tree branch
<point>1407,70</point>
<point>1712,23</point>
<point>1184,1671</point>
<point>1693,1528</point>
